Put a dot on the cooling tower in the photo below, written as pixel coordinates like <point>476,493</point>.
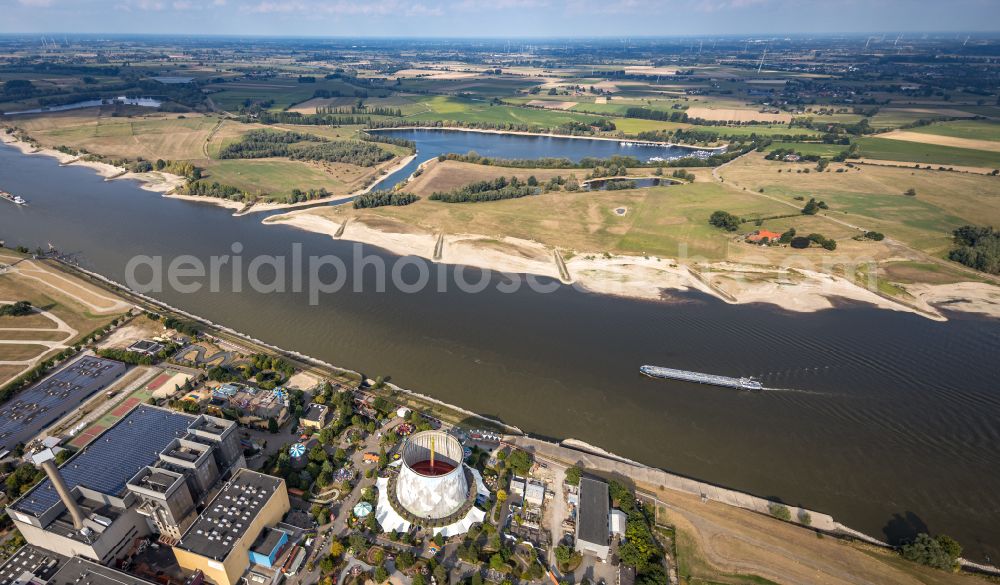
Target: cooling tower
<point>432,487</point>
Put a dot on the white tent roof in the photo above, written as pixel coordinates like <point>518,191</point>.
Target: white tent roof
<point>392,521</point>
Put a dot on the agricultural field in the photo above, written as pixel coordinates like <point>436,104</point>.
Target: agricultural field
<point>658,222</point>
<point>926,154</point>
<point>68,309</point>
<point>282,93</point>
<point>199,139</point>
<point>150,136</point>
<point>988,130</point>
<point>872,197</point>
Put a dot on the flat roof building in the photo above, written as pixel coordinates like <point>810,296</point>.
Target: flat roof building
<point>268,546</point>
<point>315,416</point>
<point>133,470</point>
<point>79,571</point>
<point>219,542</point>
<point>592,534</point>
<point>30,565</point>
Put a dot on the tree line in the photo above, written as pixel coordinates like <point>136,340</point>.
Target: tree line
<point>362,154</point>
<point>360,110</point>
<point>489,190</point>
<point>266,143</point>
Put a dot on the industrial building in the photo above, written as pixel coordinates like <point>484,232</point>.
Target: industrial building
<point>434,488</point>
<point>219,543</point>
<point>30,565</point>
<point>141,476</point>
<point>592,531</point>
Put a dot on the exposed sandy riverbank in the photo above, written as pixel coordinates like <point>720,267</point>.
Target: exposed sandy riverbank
<point>156,181</point>
<point>648,278</point>
<point>384,172</point>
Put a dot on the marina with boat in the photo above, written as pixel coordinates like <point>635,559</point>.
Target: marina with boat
<point>745,383</point>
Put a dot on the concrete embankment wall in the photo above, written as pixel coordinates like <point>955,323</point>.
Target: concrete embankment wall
<point>652,478</point>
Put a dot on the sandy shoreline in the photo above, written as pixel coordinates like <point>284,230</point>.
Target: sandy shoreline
<point>797,290</point>
<point>260,207</point>
<point>156,181</point>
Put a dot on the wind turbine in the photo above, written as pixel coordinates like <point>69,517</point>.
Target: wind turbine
<point>761,66</point>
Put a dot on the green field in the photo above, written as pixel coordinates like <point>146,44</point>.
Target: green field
<point>283,92</point>
<point>277,177</point>
<point>817,148</point>
<point>926,154</point>
<point>974,129</point>
<point>659,221</point>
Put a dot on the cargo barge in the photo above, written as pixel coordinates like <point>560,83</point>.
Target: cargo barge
<point>748,383</point>
<point>15,199</point>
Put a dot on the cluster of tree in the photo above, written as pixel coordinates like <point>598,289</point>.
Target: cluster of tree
<point>266,143</point>
<point>683,175</point>
<point>185,327</point>
<point>781,153</point>
<point>874,236</point>
<point>725,220</point>
<point>178,167</point>
<point>18,309</point>
<point>489,190</point>
<point>383,198</point>
<point>362,154</point>
<point>215,189</point>
<point>619,184</point>
<point>578,128</point>
<point>649,114</point>
<point>128,357</point>
<point>298,195</point>
<point>812,206</point>
<point>977,247</point>
<point>21,480</point>
<point>803,242</point>
<point>389,140</point>
<point>18,89</point>
<point>609,171</point>
<point>640,549</point>
<point>941,552</point>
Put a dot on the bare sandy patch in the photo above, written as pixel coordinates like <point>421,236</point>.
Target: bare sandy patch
<point>738,115</point>
<point>303,381</point>
<point>434,74</point>
<point>551,104</point>
<point>935,139</point>
<point>650,70</point>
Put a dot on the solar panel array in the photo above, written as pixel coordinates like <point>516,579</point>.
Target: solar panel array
<point>37,406</point>
<point>110,460</point>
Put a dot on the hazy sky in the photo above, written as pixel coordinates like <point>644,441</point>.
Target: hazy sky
<point>496,18</point>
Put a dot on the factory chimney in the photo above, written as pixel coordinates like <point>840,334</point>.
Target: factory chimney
<point>46,459</point>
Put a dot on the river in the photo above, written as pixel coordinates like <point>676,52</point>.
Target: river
<point>890,421</point>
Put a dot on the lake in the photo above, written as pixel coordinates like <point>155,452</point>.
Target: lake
<point>432,143</point>
<point>889,421</point>
<point>143,102</point>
